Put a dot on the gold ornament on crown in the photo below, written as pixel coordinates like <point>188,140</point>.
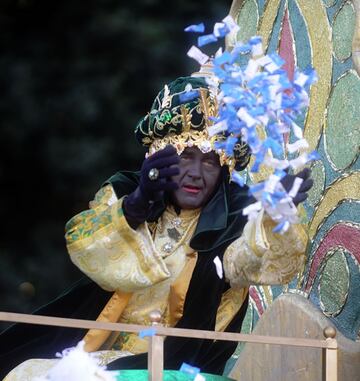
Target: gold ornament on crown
<point>191,135</point>
<point>193,138</point>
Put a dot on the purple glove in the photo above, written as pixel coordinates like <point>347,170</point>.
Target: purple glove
<point>164,163</point>
<point>288,180</point>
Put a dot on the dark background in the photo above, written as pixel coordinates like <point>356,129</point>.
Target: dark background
<point>75,77</point>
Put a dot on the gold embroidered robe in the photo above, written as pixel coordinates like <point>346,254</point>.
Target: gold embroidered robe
<point>151,268</point>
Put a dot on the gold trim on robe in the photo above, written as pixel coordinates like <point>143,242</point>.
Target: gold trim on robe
<point>111,313</point>
<point>178,290</point>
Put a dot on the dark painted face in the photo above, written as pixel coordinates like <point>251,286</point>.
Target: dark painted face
<point>198,179</point>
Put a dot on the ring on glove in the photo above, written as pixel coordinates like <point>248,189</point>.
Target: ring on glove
<point>153,174</point>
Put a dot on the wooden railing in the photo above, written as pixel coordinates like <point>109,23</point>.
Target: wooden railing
<point>329,345</point>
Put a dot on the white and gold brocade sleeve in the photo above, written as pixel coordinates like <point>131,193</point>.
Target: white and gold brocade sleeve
<point>104,247</point>
<point>261,256</point>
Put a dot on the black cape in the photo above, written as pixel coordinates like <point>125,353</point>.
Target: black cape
<point>220,223</point>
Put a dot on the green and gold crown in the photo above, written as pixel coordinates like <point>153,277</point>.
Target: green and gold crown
<point>185,124</point>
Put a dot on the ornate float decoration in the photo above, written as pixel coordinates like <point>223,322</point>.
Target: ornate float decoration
<point>323,34</point>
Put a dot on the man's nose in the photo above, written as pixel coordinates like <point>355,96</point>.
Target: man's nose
<point>195,170</point>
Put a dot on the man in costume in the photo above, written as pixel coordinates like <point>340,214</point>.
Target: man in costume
<point>160,238</point>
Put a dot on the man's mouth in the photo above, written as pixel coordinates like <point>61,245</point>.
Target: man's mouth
<point>191,189</point>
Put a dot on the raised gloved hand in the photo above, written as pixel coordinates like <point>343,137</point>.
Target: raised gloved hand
<point>288,181</point>
<point>155,179</point>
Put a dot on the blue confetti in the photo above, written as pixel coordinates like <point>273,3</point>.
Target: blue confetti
<point>237,178</point>
<point>314,155</point>
<point>205,40</point>
<point>147,332</point>
<point>224,58</point>
<point>276,59</point>
<point>280,173</point>
<point>188,96</point>
<point>242,49</point>
<point>188,369</point>
<point>259,96</point>
<point>255,40</point>
<point>256,188</point>
<point>272,144</point>
<point>281,227</point>
<point>267,199</point>
<point>198,28</point>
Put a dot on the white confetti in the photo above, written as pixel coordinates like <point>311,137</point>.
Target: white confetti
<point>252,68</point>
<point>231,24</point>
<point>246,117</point>
<point>257,50</point>
<point>275,163</point>
<point>198,55</point>
<point>270,185</point>
<point>217,128</point>
<point>301,79</point>
<point>299,144</point>
<point>263,98</point>
<point>217,28</point>
<point>218,53</point>
<point>255,207</point>
<point>265,60</point>
<point>299,161</point>
<point>219,268</point>
<point>296,186</point>
<point>297,130</point>
<point>271,66</point>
